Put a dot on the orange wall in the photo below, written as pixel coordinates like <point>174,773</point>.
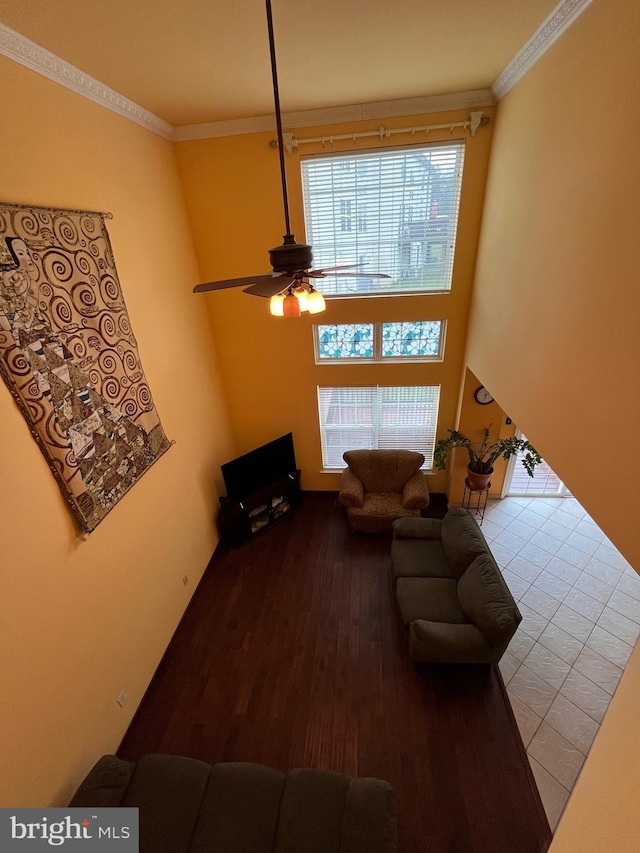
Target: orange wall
<point>474,417</point>
<point>602,814</point>
<point>556,305</point>
<point>82,620</point>
<point>232,187</point>
<point>554,327</point>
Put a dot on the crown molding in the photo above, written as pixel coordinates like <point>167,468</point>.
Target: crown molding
<point>27,53</point>
<point>15,46</point>
<point>565,13</point>
<point>338,115</point>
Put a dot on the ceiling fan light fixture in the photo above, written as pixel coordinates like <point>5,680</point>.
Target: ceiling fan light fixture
<point>276,305</point>
<point>315,302</point>
<point>291,306</point>
<point>301,296</point>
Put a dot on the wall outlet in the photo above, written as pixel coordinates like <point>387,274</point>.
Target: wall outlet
<point>185,580</point>
<point>122,699</point>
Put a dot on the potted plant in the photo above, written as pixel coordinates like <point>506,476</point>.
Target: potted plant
<point>484,453</point>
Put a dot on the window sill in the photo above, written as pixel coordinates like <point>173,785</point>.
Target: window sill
<point>428,472</point>
<point>427,291</point>
<point>331,362</point>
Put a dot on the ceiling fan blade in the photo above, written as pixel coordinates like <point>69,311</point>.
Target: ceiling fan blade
<point>360,274</point>
<point>331,269</point>
<point>232,282</point>
<point>269,288</point>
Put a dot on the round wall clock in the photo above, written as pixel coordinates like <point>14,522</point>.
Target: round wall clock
<point>482,396</point>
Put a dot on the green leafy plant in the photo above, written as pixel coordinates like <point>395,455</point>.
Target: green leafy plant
<point>483,454</point>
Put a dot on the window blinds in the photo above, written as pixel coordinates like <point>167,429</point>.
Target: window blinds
<point>377,417</point>
<point>394,211</point>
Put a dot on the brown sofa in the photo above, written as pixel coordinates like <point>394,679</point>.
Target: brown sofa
<point>450,592</point>
<point>379,486</point>
<point>188,806</point>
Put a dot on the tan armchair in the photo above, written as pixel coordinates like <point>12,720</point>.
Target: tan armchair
<point>379,486</point>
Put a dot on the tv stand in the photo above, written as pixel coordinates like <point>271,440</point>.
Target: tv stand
<point>240,521</point>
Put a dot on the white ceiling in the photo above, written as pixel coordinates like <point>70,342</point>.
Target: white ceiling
<point>191,61</point>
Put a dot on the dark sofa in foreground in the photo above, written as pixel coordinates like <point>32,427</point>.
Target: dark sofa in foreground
<point>450,592</point>
<point>187,806</point>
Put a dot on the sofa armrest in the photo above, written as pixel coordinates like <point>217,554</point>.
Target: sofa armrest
<point>351,489</point>
<point>415,493</point>
<point>105,784</point>
<point>440,642</point>
<point>417,528</point>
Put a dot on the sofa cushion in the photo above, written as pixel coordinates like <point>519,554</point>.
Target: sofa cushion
<point>168,790</point>
<point>383,470</point>
<point>312,811</point>
<point>485,599</point>
<point>419,558</point>
<point>433,599</point>
<point>417,528</point>
<point>370,821</point>
<point>240,809</point>
<point>462,540</point>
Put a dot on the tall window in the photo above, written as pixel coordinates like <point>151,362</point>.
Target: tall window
<point>393,211</point>
<point>377,417</point>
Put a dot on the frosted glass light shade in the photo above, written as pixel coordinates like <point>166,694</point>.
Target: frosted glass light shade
<point>276,305</point>
<point>315,302</point>
<point>301,296</point>
<point>291,306</point>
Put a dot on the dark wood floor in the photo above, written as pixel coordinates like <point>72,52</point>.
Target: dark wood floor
<point>291,654</point>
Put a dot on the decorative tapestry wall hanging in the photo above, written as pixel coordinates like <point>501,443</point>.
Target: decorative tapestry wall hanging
<point>70,359</point>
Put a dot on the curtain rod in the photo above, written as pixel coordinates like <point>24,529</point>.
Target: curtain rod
<point>475,120</point>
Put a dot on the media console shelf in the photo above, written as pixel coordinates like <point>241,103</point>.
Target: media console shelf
<point>240,521</point>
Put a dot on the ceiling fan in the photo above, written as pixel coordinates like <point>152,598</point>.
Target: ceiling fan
<point>290,286</point>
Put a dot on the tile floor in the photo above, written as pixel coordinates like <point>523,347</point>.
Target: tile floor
<point>580,603</point>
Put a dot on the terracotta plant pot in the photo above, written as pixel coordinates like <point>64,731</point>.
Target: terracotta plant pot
<point>479,481</point>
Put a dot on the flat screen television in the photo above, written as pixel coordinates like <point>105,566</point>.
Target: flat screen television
<point>257,469</point>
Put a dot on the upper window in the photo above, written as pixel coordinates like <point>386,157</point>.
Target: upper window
<point>393,211</point>
<point>418,340</point>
